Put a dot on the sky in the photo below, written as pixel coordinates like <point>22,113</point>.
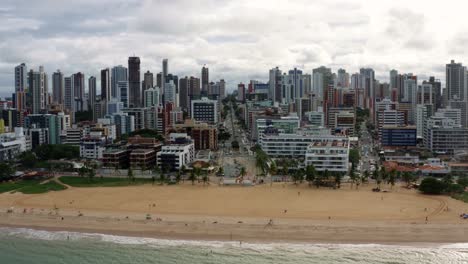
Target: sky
<point>238,40</point>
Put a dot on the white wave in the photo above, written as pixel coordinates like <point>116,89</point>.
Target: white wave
<point>256,247</point>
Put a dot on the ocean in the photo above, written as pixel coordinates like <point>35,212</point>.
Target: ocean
<point>20,245</point>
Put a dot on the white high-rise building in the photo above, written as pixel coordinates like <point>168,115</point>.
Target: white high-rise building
<point>152,97</point>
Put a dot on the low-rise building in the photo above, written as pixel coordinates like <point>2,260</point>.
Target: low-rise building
<point>179,152</point>
<point>92,146</point>
<point>328,153</point>
<point>116,158</point>
<point>205,136</point>
<point>143,158</point>
<point>393,136</point>
<point>13,144</point>
<point>205,110</point>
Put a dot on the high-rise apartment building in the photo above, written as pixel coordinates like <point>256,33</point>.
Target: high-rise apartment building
<point>118,74</point>
<point>134,98</point>
<point>275,85</point>
<point>21,79</point>
<point>205,80</point>
<point>456,81</point>
<point>92,91</point>
<point>148,82</point>
<point>58,87</point>
<point>106,85</point>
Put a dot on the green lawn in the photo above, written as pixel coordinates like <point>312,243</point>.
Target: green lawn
<point>462,197</point>
<point>42,188</point>
<point>31,187</point>
<point>11,186</point>
<point>101,182</point>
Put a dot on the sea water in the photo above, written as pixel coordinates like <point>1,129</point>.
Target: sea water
<point>19,245</point>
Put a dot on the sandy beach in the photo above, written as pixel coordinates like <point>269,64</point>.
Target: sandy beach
<point>283,212</point>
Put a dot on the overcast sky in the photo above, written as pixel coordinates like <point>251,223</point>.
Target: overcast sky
<point>239,40</point>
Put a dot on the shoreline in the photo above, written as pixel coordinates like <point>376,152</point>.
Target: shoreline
<point>318,232</point>
<point>264,214</point>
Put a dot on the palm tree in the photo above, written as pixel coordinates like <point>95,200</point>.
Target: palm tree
<point>177,177</point>
<point>311,173</point>
<point>285,168</point>
<point>407,178</point>
<point>182,171</point>
<point>338,178</point>
<point>205,177</point>
<point>82,171</point>
<point>243,172</point>
<point>391,179</point>
<point>298,176</point>
<point>366,175</point>
<point>130,175</point>
<point>192,177</point>
<point>197,174</point>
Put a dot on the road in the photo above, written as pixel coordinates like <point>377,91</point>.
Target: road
<point>231,159</point>
<point>367,152</point>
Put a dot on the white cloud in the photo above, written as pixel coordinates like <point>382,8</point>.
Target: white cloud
<point>238,40</point>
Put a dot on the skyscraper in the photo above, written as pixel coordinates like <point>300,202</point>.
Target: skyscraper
<point>119,74</point>
<point>92,91</point>
<point>367,83</point>
<point>78,89</point>
<point>134,98</point>
<point>275,85</point>
<point>165,71</point>
<point>105,85</point>
<point>38,93</point>
<point>148,82</point>
<point>68,94</point>
<point>58,87</point>
<point>322,77</point>
<point>205,80</point>
<point>184,93</point>
<point>21,80</point>
<point>456,81</point>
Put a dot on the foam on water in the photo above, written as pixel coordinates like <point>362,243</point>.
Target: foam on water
<point>156,242</point>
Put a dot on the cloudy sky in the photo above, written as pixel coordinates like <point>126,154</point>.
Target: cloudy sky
<point>239,40</point>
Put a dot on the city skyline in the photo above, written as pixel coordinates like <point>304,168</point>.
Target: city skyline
<point>235,47</point>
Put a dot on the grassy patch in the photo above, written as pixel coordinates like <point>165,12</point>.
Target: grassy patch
<point>11,186</point>
<point>31,187</point>
<point>101,182</point>
<point>462,197</point>
<point>42,188</point>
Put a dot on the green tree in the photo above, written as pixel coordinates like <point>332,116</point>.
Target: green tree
<point>28,159</point>
<point>205,178</point>
<point>298,176</point>
<point>192,176</point>
<point>448,179</point>
<point>338,179</point>
<point>463,181</point>
<point>431,185</point>
<point>354,156</point>
<point>197,173</point>
<point>177,177</point>
<point>6,171</point>
<point>391,179</point>
<point>130,175</point>
<point>243,172</point>
<point>82,171</point>
<point>311,173</point>
<point>407,178</point>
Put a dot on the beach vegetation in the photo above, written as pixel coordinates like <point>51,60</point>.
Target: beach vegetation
<point>56,152</point>
<point>42,187</point>
<point>102,182</point>
<point>7,171</point>
<point>27,159</point>
<point>431,185</point>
